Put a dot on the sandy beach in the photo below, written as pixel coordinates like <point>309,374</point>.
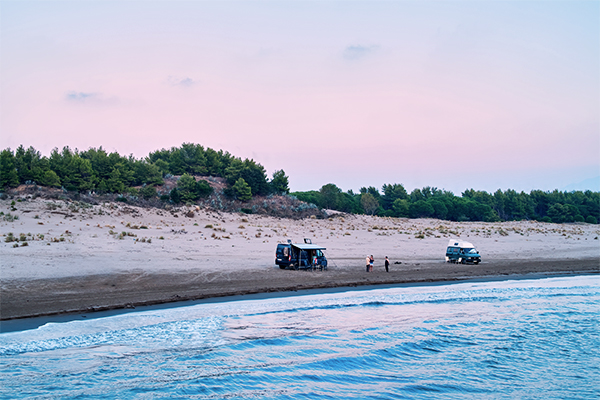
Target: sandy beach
<point>83,258</point>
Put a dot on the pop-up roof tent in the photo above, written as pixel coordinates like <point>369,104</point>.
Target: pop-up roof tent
<point>460,243</point>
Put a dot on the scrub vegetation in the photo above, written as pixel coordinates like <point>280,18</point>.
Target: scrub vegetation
<point>192,174</point>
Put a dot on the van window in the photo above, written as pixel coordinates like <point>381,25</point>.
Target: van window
<point>319,253</point>
<point>286,251</point>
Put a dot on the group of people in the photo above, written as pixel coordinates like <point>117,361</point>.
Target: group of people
<point>371,260</point>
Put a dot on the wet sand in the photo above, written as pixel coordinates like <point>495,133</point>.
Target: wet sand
<point>39,297</point>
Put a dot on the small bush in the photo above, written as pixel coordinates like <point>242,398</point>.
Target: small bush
<point>10,238</point>
<point>148,192</point>
<point>591,219</point>
<point>10,218</point>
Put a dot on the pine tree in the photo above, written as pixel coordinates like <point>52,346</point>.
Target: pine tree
<point>242,190</point>
<point>8,172</point>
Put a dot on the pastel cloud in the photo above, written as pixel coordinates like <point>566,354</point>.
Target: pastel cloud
<point>89,98</point>
<point>357,52</point>
<point>81,97</point>
<point>185,82</point>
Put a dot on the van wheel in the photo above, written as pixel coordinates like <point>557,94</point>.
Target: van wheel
<point>282,266</point>
<point>476,262</point>
<point>296,267</point>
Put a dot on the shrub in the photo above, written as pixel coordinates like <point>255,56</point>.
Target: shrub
<point>148,192</point>
<point>203,188</point>
<point>10,218</point>
<point>591,219</point>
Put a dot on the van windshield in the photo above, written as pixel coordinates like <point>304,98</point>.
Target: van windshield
<point>470,251</point>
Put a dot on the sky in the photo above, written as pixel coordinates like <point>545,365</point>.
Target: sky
<point>450,94</point>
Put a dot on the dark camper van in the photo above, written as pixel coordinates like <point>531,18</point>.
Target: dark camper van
<point>300,255</point>
<point>462,253</point>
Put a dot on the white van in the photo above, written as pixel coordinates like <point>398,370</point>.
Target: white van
<point>462,252</point>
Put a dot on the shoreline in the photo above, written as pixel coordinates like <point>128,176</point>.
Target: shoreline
<point>24,299</point>
<point>34,322</point>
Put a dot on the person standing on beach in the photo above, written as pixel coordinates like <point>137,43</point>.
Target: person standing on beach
<point>371,261</point>
<point>387,264</point>
<point>368,263</point>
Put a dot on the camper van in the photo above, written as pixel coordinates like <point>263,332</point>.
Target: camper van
<point>462,252</point>
<point>300,255</point>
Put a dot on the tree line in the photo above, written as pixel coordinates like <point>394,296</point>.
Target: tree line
<point>98,171</point>
<point>472,205</point>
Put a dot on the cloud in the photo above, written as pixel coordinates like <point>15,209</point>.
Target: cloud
<point>81,97</point>
<point>181,82</point>
<point>95,98</point>
<point>358,52</point>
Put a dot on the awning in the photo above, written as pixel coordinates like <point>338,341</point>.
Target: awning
<point>305,246</point>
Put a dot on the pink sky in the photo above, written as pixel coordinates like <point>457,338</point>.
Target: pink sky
<point>456,95</point>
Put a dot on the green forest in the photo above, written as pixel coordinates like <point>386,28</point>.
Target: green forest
<point>99,172</point>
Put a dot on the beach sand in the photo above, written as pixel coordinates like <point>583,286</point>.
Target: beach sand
<point>83,258</point>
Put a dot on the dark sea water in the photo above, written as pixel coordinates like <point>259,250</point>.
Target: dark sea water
<point>521,339</point>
